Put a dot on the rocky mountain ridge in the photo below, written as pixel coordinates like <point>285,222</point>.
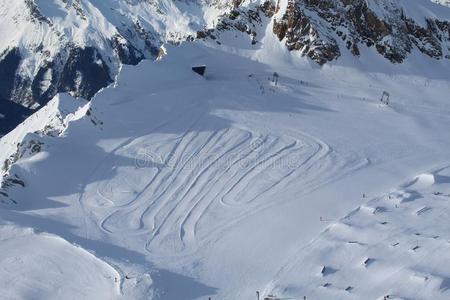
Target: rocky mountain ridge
<point>319,29</point>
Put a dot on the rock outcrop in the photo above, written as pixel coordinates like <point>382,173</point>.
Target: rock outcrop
<point>320,29</point>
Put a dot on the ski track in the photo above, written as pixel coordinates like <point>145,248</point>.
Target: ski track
<point>231,170</point>
<point>220,174</point>
<point>179,140</point>
<point>82,207</point>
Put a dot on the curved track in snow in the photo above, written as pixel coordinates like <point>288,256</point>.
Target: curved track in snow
<point>190,187</point>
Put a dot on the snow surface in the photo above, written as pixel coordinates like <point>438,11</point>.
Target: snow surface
<point>443,2</point>
<point>192,187</point>
<point>63,24</point>
<point>395,245</point>
<point>50,120</point>
<point>44,266</point>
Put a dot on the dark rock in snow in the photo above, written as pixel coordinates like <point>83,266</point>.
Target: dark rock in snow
<point>84,73</point>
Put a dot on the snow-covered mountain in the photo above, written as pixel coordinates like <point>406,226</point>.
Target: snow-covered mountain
<point>167,185</point>
<point>191,187</point>
<point>443,2</point>
<point>79,46</point>
<point>322,29</point>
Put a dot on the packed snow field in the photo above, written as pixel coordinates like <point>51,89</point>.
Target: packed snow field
<point>173,186</point>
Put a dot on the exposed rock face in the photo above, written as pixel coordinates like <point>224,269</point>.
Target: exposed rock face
<point>77,46</point>
<point>79,71</point>
<point>320,28</point>
<point>11,113</point>
<point>244,19</point>
<point>70,46</point>
<point>9,63</point>
<point>84,73</point>
<point>323,29</point>
<point>302,33</point>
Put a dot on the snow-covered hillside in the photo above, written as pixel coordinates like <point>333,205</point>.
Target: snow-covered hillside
<point>192,187</point>
<point>443,2</point>
<point>79,46</point>
<point>395,246</point>
<point>168,185</point>
<point>44,266</point>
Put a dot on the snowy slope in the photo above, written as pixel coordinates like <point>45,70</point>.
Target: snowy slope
<point>79,46</point>
<point>395,245</point>
<point>49,121</point>
<point>194,187</point>
<point>53,269</point>
<point>443,2</point>
<point>171,186</point>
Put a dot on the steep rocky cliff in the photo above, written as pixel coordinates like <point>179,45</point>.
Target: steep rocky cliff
<point>321,29</point>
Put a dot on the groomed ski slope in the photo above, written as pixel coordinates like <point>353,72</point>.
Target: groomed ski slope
<point>193,187</point>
